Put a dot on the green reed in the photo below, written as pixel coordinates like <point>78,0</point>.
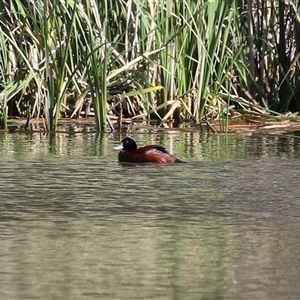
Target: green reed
<point>162,59</point>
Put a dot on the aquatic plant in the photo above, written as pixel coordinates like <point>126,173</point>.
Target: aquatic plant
<point>148,59</point>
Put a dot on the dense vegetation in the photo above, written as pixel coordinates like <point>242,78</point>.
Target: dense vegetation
<point>148,59</point>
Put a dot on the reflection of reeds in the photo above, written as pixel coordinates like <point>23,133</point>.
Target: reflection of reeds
<point>188,145</point>
<point>147,59</point>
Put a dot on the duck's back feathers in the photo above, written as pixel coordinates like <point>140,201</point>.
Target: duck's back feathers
<point>149,154</point>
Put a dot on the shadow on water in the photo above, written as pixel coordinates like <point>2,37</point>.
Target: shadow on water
<point>76,224</point>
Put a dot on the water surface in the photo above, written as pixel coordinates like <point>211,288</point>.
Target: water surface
<point>75,224</point>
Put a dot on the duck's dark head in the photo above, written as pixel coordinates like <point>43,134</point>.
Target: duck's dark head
<point>127,144</point>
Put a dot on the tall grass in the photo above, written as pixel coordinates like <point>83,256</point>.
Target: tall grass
<point>147,59</point>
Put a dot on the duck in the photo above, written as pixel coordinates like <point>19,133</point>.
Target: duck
<point>130,153</point>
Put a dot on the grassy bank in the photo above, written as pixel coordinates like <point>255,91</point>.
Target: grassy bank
<point>148,59</point>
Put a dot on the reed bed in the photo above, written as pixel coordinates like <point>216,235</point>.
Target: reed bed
<point>148,59</point>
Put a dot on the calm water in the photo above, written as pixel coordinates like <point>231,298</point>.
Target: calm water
<point>74,224</point>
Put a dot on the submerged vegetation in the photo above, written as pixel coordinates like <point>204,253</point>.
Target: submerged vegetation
<point>147,59</point>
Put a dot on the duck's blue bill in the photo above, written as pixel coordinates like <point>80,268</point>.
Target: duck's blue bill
<point>119,147</point>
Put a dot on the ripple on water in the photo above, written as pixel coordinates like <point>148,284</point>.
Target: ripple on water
<point>75,224</point>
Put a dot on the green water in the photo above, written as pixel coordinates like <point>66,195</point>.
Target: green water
<point>74,224</point>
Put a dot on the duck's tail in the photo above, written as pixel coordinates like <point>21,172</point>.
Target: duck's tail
<point>178,160</point>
